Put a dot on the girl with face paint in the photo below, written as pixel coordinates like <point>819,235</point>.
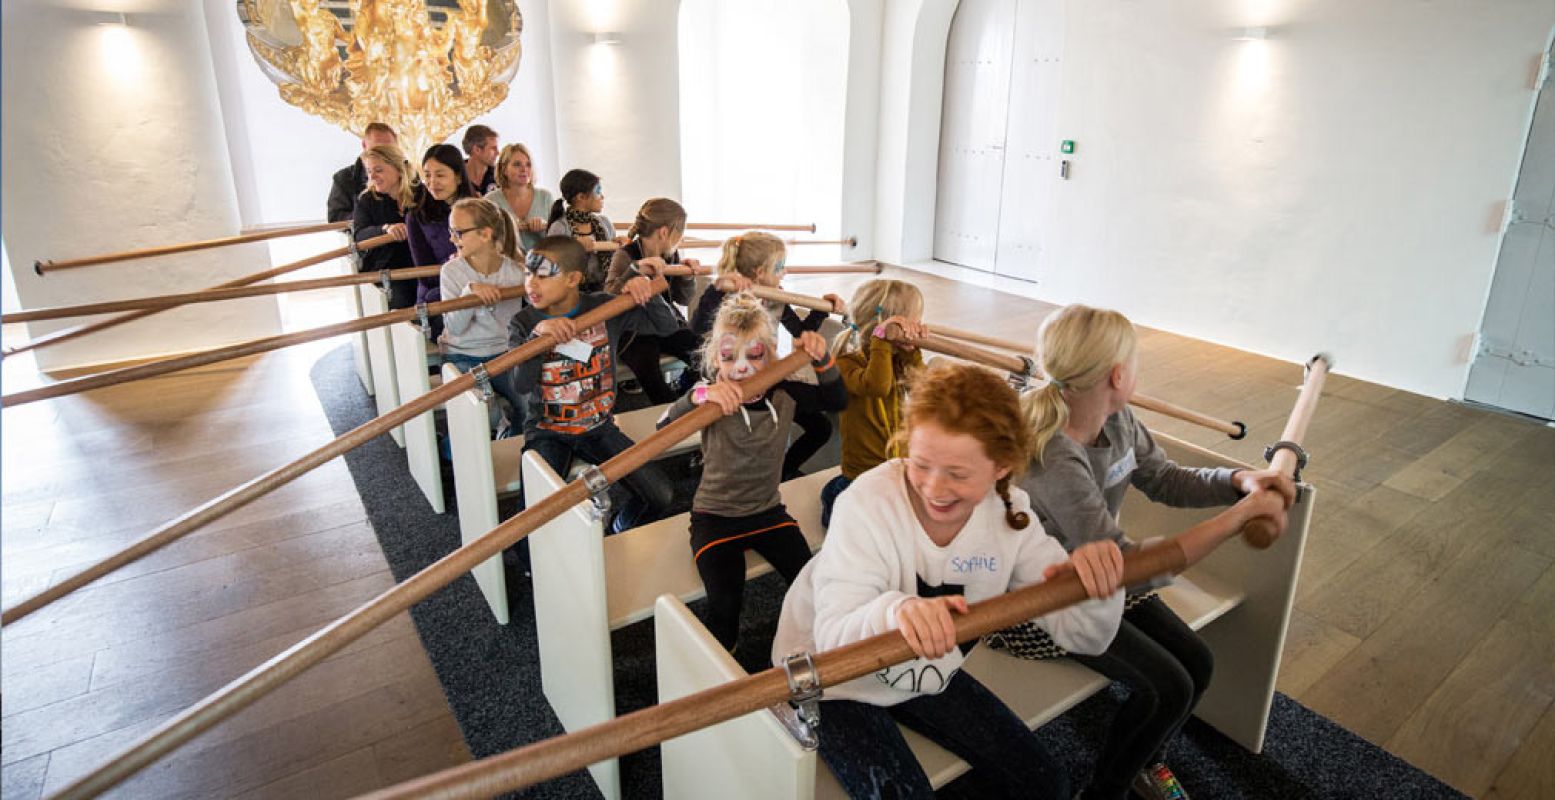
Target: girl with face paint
<point>737,506</point>
<point>757,259</point>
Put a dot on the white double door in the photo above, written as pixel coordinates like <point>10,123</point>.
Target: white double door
<point>1514,367</point>
<point>999,148</point>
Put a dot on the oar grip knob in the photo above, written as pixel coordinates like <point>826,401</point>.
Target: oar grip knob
<point>1260,532</point>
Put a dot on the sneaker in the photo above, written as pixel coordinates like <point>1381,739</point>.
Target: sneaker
<point>1156,782</point>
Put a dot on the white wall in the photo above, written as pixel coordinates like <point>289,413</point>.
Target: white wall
<point>617,105</point>
<point>1349,170</point>
<point>761,117</point>
<point>113,140</point>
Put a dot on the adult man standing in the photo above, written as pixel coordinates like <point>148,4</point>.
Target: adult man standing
<point>480,162</point>
<point>349,182</point>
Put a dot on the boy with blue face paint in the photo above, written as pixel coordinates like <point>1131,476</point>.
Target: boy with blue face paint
<point>571,390</point>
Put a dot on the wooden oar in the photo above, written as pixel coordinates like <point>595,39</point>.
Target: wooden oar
<point>273,673</point>
<point>152,369</point>
<point>874,267</point>
<point>752,226</point>
<point>709,244</point>
<point>43,267</point>
<point>560,755</point>
<point>241,496</point>
<point>1286,456</point>
<point>941,342</point>
<point>214,295</point>
<point>85,329</point>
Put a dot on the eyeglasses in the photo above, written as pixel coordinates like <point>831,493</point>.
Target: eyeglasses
<point>456,233</point>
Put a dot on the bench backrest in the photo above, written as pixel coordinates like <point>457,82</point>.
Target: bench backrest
<point>410,373</point>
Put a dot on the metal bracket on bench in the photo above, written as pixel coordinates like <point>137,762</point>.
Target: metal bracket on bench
<point>352,252</point>
<point>424,320</point>
<point>1020,380</point>
<point>482,382</point>
<point>804,694</point>
<point>1301,456</point>
<point>385,283</point>
<point>599,489</point>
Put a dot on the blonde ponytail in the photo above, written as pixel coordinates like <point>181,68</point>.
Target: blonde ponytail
<point>750,254</point>
<point>875,302</point>
<point>1077,348</point>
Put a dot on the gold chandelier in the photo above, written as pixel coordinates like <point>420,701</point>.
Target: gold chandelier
<point>425,67</point>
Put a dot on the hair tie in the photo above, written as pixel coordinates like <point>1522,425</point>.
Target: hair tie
<point>1056,383</point>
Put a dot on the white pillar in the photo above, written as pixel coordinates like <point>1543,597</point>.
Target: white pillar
<point>113,140</point>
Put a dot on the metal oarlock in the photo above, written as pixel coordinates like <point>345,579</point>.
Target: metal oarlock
<point>385,283</point>
<point>483,382</point>
<point>1301,456</point>
<point>1020,380</point>
<point>425,320</point>
<point>599,489</point>
<point>804,695</point>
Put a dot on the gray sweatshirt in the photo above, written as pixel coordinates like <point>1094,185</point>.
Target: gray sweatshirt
<point>1077,490</point>
<point>483,330</point>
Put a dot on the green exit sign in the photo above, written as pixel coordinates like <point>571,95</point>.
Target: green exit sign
<point>1067,146</point>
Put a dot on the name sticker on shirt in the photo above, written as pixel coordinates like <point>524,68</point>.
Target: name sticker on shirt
<point>579,350</point>
<point>1120,470</point>
<point>971,564</point>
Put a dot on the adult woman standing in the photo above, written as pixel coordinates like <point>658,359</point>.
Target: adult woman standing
<point>517,194</point>
<point>390,192</point>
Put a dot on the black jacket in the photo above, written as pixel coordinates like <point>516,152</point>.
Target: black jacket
<point>343,191</point>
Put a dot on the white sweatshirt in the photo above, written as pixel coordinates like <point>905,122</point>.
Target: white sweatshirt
<point>482,330</point>
<point>877,555</point>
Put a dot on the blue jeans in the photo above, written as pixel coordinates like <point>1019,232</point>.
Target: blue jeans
<point>1165,667</point>
<point>501,384</point>
<point>829,493</point>
<point>648,491</point>
<point>865,750</point>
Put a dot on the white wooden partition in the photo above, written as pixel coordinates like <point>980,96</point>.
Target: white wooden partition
<point>364,364</point>
<point>587,584</point>
<point>380,353</point>
<point>408,344</point>
<point>475,490</point>
<point>1238,597</point>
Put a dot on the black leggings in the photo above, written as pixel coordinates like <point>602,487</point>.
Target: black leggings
<point>718,546</point>
<point>641,356</point>
<point>817,432</point>
<point>1166,667</point>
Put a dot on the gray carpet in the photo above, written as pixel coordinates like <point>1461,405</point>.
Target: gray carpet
<point>490,672</point>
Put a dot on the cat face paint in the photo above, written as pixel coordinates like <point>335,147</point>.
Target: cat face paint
<point>741,357</point>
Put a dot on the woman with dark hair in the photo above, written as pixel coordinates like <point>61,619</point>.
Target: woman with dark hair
<point>426,225</point>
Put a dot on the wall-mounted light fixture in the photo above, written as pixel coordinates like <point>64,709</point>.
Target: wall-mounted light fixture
<point>1250,34</point>
<point>111,18</point>
<point>607,37</point>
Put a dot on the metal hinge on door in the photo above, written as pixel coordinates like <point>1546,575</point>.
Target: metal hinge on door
<point>1523,358</point>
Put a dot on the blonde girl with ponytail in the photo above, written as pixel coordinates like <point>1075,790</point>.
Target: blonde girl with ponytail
<point>916,540</point>
<point>757,259</point>
<point>1087,448</point>
<point>875,366</point>
<point>486,253</point>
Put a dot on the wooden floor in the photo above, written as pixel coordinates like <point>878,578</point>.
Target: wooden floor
<point>1425,619</point>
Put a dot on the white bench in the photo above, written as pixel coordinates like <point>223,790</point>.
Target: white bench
<point>485,470</point>
<point>1239,599</point>
<point>410,349</point>
<point>380,354</point>
<point>587,584</point>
